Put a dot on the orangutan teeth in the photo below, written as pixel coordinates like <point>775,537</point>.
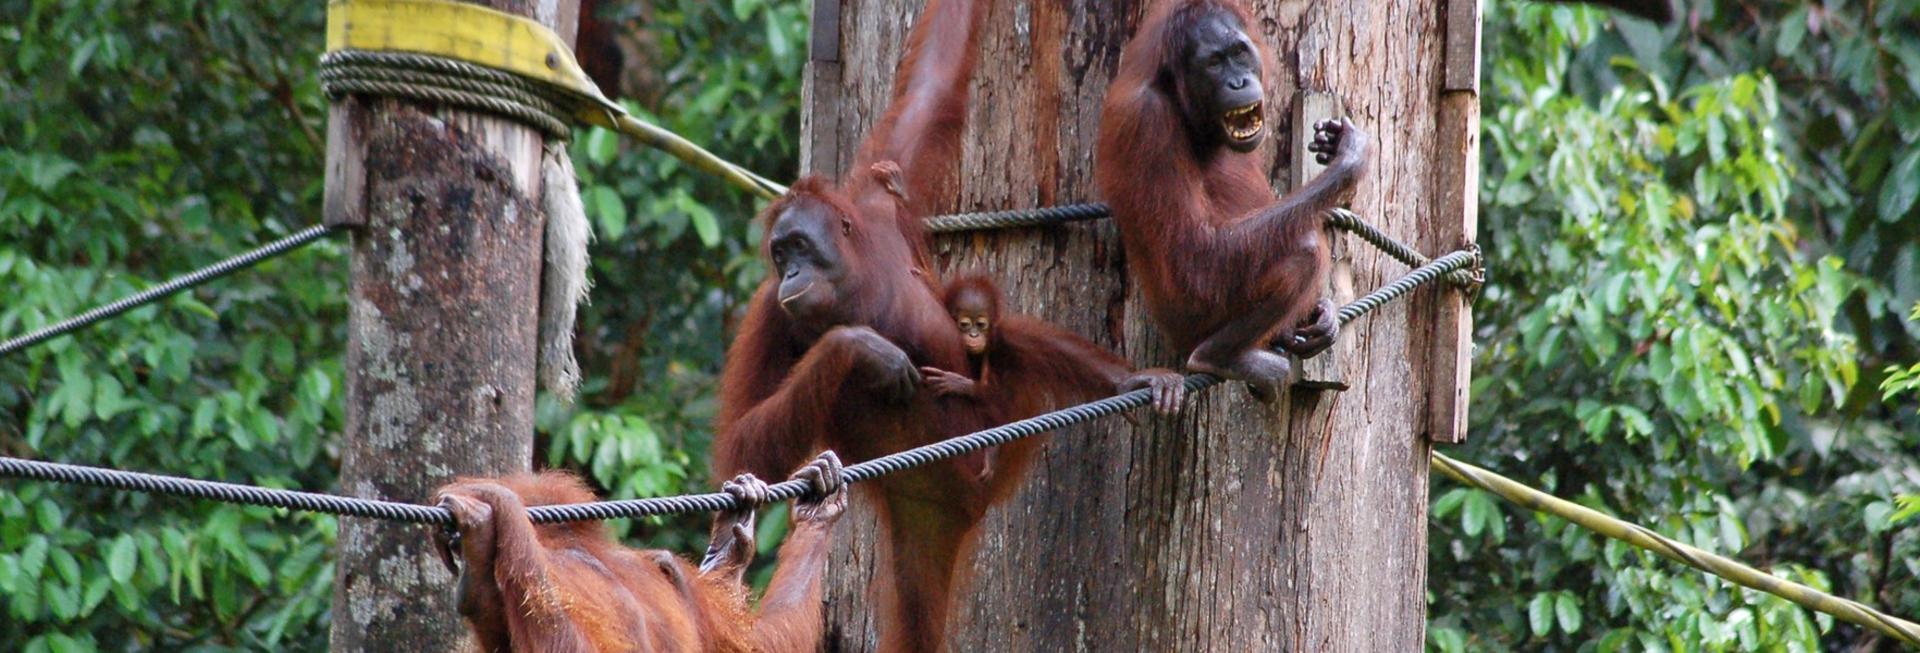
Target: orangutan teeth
<point>1242,123</point>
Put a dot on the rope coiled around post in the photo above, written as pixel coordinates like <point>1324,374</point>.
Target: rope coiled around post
<point>171,286</point>
<point>427,78</point>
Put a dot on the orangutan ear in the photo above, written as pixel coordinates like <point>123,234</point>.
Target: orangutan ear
<point>890,177</point>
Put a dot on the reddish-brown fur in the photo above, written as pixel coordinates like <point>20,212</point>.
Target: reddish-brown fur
<point>1031,367</point>
<point>1224,266</point>
<point>790,387</point>
<point>569,587</point>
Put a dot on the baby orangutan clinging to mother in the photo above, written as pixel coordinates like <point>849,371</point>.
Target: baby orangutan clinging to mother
<point>1034,365</point>
<point>1020,367</point>
<point>570,588</point>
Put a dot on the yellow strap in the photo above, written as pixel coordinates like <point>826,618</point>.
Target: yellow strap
<point>503,41</point>
<point>470,33</point>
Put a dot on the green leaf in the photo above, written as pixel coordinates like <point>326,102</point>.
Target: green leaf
<point>777,43</point>
<point>121,558</point>
<point>320,386</point>
<point>96,592</point>
<point>33,558</point>
<point>63,601</point>
<point>47,171</point>
<point>1901,187</point>
<point>1637,422</point>
<point>76,393</point>
<point>49,515</point>
<point>1909,508</point>
<point>1540,614</point>
<point>1793,28</point>
<point>109,398</point>
<point>1567,612</point>
<point>611,210</point>
<point>1478,514</point>
<point>1616,640</point>
<point>1878,517</point>
<point>9,575</point>
<point>1449,502</point>
<point>601,146</point>
<point>66,565</point>
<point>704,224</point>
<point>264,426</point>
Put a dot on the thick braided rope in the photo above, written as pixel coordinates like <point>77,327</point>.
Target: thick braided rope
<point>686,503</point>
<point>162,291</point>
<point>388,78</point>
<point>224,492</point>
<point>1419,276</point>
<point>444,81</point>
<point>1646,538</point>
<point>449,68</point>
<point>1037,217</point>
<point>691,503</point>
<point>1351,223</point>
<point>1065,213</point>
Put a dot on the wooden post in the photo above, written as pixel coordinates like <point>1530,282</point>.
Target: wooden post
<point>440,336</point>
<point>1238,526</point>
<point>1455,220</point>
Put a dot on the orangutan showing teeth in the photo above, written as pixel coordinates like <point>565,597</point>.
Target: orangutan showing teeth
<point>1242,123</point>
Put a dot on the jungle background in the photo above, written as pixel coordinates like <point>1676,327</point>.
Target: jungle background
<point>1703,313</point>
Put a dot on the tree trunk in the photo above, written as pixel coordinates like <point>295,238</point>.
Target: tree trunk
<point>1235,525</point>
<point>440,336</point>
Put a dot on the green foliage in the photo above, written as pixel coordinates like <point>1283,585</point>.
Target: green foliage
<point>1901,382</point>
<point>133,146</point>
<point>1659,335</point>
<point>1850,74</point>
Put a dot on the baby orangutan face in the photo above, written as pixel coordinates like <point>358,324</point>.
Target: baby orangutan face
<point>975,328</point>
<point>974,331</point>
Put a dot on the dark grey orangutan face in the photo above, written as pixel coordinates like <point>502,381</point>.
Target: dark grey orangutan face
<point>1221,84</point>
<point>805,247</point>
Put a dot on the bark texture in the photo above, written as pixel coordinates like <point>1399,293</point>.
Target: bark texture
<point>441,337</point>
<point>1237,526</point>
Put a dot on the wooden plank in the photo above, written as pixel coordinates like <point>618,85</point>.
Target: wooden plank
<point>820,92</point>
<point>1455,223</point>
<point>344,202</point>
<point>1323,372</point>
<point>1463,47</point>
<point>824,42</point>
